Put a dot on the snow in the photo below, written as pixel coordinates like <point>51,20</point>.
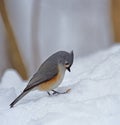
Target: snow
<point>94,98</point>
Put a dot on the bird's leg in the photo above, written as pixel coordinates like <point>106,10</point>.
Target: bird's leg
<point>56,92</point>
<point>48,93</point>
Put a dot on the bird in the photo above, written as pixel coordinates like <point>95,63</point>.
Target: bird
<point>50,74</point>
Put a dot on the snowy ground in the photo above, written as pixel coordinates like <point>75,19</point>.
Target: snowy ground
<point>94,98</point>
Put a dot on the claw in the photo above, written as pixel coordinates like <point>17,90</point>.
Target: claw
<point>68,90</point>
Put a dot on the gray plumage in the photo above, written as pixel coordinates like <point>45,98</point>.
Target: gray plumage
<point>47,71</point>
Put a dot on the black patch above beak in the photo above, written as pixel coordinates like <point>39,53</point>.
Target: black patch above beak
<point>68,68</point>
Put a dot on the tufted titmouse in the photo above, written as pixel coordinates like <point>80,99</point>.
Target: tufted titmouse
<point>49,75</point>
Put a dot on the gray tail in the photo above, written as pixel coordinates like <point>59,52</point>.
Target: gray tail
<point>18,98</point>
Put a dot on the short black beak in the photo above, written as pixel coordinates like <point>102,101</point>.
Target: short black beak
<point>69,69</point>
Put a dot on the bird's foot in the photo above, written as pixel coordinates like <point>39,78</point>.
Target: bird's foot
<point>56,92</point>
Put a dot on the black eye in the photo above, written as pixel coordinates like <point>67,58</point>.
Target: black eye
<point>66,63</point>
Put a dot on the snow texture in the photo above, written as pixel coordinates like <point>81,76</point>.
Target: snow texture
<point>94,98</point>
